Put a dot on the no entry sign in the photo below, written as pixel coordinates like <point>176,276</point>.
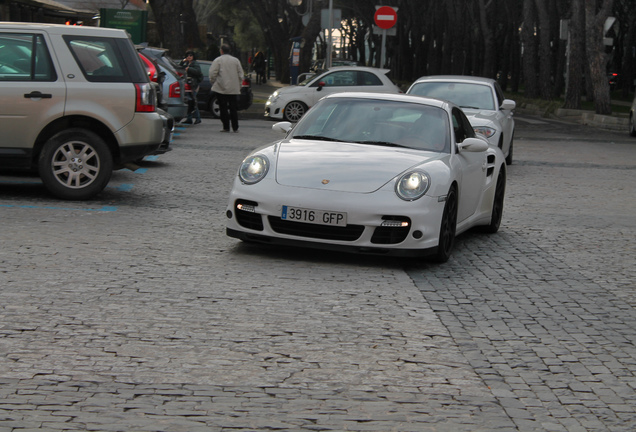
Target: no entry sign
<point>385,17</point>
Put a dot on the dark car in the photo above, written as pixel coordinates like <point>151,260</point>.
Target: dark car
<point>207,99</point>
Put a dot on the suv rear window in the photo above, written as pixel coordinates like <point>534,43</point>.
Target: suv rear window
<point>104,59</point>
<point>25,57</point>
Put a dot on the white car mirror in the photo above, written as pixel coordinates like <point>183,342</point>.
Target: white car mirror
<point>473,145</point>
<point>508,104</point>
<point>282,127</point>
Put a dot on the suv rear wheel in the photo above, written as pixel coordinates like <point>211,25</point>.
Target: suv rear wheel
<point>75,164</point>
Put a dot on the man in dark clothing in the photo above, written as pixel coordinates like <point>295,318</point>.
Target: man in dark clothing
<point>194,76</point>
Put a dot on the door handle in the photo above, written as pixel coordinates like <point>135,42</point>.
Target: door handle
<point>37,94</point>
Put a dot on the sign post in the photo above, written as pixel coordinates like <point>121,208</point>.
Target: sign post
<point>385,17</point>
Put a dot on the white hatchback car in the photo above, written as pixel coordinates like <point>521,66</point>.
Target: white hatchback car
<point>291,103</point>
<point>482,101</point>
<point>75,103</point>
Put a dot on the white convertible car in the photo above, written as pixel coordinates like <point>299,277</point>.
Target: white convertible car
<point>370,173</point>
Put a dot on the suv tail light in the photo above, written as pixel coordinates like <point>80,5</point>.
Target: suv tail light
<point>146,100</point>
<point>175,90</point>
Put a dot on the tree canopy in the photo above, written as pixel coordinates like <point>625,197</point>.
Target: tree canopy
<point>546,48</point>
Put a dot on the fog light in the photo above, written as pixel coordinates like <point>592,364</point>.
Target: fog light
<point>246,207</point>
<point>395,224</point>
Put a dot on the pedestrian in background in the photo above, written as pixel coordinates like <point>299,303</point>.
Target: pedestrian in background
<point>226,76</point>
<point>194,77</point>
<point>259,67</point>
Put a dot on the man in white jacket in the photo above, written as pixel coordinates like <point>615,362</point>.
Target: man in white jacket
<point>226,76</point>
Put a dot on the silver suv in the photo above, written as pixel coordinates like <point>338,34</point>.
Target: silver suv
<point>75,104</point>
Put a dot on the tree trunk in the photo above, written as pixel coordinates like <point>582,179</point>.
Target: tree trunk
<point>279,23</point>
<point>545,53</point>
<point>576,57</point>
<point>177,25</point>
<point>596,57</point>
<point>529,43</point>
<point>489,63</point>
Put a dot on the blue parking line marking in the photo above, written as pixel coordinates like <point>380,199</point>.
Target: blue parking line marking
<point>126,187</point>
<point>102,209</point>
<point>137,171</point>
<point>152,158</point>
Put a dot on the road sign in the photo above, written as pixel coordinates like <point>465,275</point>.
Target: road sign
<point>385,17</point>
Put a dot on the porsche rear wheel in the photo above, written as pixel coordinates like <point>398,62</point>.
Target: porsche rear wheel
<point>448,228</point>
<point>294,111</point>
<point>497,204</point>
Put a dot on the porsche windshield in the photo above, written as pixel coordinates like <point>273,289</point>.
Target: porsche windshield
<point>376,122</point>
<point>466,95</point>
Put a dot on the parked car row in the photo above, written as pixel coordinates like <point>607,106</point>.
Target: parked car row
<point>77,102</point>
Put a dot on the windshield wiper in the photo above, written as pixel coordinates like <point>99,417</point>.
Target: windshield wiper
<point>469,107</point>
<point>317,138</point>
<point>382,143</point>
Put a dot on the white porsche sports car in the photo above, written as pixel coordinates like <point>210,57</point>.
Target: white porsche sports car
<point>481,99</point>
<point>370,173</point>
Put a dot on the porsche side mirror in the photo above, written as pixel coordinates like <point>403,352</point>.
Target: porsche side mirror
<point>508,104</point>
<point>474,145</point>
<point>282,127</point>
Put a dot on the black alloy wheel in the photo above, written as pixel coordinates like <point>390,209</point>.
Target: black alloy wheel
<point>448,227</point>
<point>497,204</point>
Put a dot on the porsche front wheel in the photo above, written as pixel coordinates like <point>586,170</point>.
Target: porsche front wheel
<point>510,149</point>
<point>75,164</point>
<point>448,228</point>
<point>497,204</point>
<point>294,111</point>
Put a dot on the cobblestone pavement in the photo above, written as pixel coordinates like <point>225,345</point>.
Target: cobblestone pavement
<point>134,312</point>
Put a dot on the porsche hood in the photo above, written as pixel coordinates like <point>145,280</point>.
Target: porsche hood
<point>343,167</point>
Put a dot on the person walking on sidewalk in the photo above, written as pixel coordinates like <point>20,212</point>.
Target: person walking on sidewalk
<point>194,76</point>
<point>226,76</point>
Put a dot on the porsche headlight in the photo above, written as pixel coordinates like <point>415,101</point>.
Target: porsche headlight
<point>253,169</point>
<point>485,131</point>
<point>412,185</point>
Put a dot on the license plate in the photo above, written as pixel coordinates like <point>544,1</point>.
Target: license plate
<point>319,217</point>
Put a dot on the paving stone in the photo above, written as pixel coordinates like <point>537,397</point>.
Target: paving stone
<point>149,318</point>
